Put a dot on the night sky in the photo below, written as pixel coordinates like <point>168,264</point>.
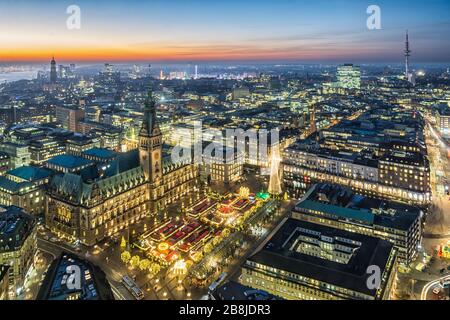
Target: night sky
<point>214,30</point>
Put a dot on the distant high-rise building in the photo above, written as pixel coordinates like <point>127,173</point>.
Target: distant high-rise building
<point>69,117</point>
<point>109,68</point>
<point>196,72</point>
<point>109,76</point>
<point>177,75</point>
<point>409,76</point>
<point>349,77</point>
<point>53,75</point>
<point>64,72</point>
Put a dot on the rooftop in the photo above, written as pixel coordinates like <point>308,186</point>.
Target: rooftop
<point>101,153</point>
<point>444,110</point>
<point>124,170</point>
<point>14,144</point>
<point>79,139</point>
<point>236,291</point>
<point>15,226</point>
<point>13,186</point>
<point>361,158</point>
<point>69,161</point>
<point>352,275</point>
<point>4,155</point>
<point>409,158</point>
<point>375,129</point>
<point>57,284</point>
<point>69,107</point>
<point>342,203</point>
<point>30,173</point>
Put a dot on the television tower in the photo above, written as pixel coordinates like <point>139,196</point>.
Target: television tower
<point>408,74</point>
<point>407,55</point>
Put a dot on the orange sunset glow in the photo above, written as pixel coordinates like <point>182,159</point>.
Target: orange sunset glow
<point>187,31</point>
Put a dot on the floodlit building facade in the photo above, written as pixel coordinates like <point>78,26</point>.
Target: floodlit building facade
<point>17,245</point>
<point>339,207</point>
<point>404,177</point>
<point>95,199</point>
<point>305,261</point>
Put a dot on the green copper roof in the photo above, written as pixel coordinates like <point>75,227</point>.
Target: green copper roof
<point>359,215</point>
<point>30,173</point>
<point>15,187</point>
<point>69,161</point>
<point>101,153</point>
<point>71,186</point>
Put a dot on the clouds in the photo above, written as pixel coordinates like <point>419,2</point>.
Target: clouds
<point>224,30</point>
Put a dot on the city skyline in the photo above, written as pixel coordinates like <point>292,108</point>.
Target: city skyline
<point>198,150</point>
<point>295,31</point>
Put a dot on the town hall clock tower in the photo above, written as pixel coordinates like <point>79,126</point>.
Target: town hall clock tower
<point>150,150</point>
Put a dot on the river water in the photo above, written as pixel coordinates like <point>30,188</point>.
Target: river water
<point>15,76</point>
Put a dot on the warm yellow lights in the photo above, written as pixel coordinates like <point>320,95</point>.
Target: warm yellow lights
<point>163,246</point>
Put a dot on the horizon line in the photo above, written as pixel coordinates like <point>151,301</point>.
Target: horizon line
<point>224,61</point>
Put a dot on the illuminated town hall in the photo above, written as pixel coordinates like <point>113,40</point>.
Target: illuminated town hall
<point>98,193</point>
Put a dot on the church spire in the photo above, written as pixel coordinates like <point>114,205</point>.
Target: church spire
<point>53,75</point>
